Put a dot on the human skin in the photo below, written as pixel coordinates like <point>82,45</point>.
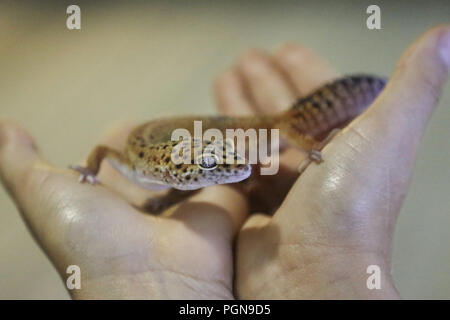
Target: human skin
<point>338,218</point>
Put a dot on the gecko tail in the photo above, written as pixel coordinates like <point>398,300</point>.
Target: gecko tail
<point>332,106</point>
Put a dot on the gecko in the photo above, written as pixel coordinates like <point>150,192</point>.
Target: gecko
<point>307,124</point>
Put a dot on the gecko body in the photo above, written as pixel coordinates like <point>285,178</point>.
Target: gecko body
<point>147,161</point>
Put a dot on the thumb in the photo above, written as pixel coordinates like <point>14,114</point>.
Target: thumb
<point>363,181</point>
<point>415,87</point>
<point>383,141</point>
<point>391,129</point>
<point>18,157</point>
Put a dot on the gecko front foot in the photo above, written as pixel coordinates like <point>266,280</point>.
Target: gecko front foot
<point>316,156</point>
<point>313,155</point>
<point>86,175</point>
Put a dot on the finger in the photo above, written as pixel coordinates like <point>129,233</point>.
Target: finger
<point>269,90</point>
<point>367,168</point>
<point>232,98</point>
<point>41,191</point>
<point>415,87</point>
<point>256,221</point>
<point>396,121</point>
<point>19,162</point>
<point>305,69</point>
<point>256,250</point>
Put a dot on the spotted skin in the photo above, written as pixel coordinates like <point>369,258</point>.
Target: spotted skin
<point>153,159</point>
<point>147,160</point>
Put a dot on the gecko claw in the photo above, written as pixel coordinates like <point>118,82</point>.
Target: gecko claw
<point>316,156</point>
<point>86,175</point>
<point>313,156</point>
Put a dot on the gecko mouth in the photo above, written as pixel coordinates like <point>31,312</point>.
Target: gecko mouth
<point>240,176</point>
<point>213,178</point>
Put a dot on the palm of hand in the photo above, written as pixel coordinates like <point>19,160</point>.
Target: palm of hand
<point>119,249</point>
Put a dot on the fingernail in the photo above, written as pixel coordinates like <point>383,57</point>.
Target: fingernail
<point>444,46</point>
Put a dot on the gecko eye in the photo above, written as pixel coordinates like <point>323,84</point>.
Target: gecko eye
<point>207,161</point>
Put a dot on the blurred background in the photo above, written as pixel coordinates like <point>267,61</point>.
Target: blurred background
<point>139,60</point>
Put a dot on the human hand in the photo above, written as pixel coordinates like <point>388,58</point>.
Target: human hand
<point>339,217</point>
<point>122,253</point>
<point>188,252</point>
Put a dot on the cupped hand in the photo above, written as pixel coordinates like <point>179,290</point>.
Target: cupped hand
<point>339,216</point>
<point>122,252</point>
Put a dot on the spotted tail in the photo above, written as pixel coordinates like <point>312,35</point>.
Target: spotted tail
<point>331,106</point>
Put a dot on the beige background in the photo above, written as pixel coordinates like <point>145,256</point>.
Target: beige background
<point>144,60</point>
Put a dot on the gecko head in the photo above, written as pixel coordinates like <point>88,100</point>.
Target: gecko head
<point>189,165</point>
<point>210,165</point>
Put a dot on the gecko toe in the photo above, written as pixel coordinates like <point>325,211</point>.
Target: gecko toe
<point>316,156</point>
<point>81,178</point>
<point>86,175</point>
<point>92,179</point>
<point>313,156</point>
